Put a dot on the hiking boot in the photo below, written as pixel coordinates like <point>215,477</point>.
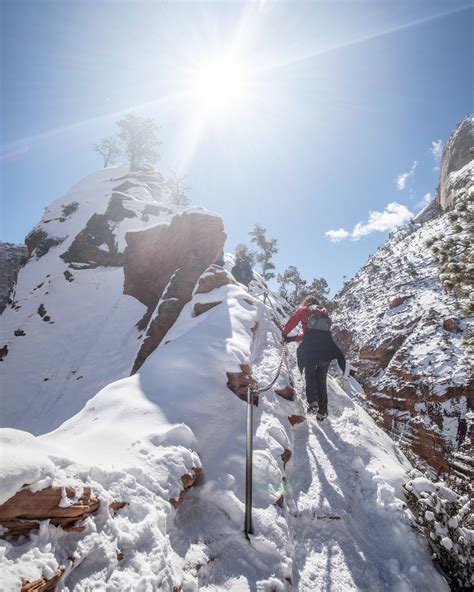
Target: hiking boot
<point>313,408</point>
<point>321,416</point>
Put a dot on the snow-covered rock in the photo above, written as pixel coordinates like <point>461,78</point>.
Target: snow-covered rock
<point>11,258</point>
<point>163,450</point>
<point>406,322</point>
<point>72,327</point>
<point>458,152</point>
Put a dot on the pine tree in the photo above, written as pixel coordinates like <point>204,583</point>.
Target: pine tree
<point>138,137</point>
<point>242,251</point>
<point>268,247</point>
<point>177,190</point>
<point>320,288</point>
<point>292,285</point>
<point>109,149</point>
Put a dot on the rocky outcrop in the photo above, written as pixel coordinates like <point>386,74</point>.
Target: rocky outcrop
<point>60,505</point>
<point>162,266</point>
<point>404,323</point>
<point>201,307</point>
<point>95,245</point>
<point>238,382</point>
<point>42,584</point>
<point>188,481</point>
<point>458,151</point>
<point>214,277</point>
<point>12,258</point>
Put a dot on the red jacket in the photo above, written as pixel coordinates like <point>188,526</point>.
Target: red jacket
<point>301,316</point>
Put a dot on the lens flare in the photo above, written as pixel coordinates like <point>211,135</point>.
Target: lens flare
<point>220,85</point>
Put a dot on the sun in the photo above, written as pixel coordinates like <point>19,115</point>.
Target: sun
<point>220,84</point>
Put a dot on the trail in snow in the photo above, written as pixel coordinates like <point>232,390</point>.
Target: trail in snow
<point>349,531</point>
<point>346,525</point>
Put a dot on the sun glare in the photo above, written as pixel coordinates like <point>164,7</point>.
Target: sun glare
<point>219,85</point>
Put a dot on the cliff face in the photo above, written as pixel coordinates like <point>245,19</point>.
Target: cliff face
<point>458,152</point>
<point>71,326</point>
<point>406,322</point>
<point>11,258</point>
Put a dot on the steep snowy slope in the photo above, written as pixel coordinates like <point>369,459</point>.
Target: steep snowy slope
<point>71,328</point>
<point>406,321</point>
<point>327,498</point>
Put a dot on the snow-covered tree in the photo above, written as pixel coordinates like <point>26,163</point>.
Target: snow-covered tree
<point>177,190</point>
<point>109,149</point>
<point>268,248</point>
<point>445,519</point>
<point>291,285</point>
<point>243,251</point>
<point>138,137</point>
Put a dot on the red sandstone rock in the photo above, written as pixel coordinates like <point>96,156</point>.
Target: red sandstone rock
<point>399,300</point>
<point>191,242</point>
<point>280,501</point>
<point>214,277</point>
<point>295,419</point>
<point>287,393</point>
<point>188,481</point>
<point>201,307</point>
<point>42,584</point>
<point>285,457</point>
<point>22,512</point>
<point>165,262</point>
<point>238,382</point>
<point>452,325</point>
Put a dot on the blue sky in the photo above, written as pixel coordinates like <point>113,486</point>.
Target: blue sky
<point>344,98</point>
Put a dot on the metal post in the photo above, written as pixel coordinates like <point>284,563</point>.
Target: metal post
<point>248,459</point>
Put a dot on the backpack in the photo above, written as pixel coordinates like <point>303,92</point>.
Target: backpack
<point>246,270</point>
<point>317,319</point>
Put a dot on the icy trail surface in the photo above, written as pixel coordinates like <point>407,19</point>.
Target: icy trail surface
<point>345,524</point>
<point>327,498</point>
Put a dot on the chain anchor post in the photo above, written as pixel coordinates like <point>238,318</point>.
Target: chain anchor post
<point>248,527</point>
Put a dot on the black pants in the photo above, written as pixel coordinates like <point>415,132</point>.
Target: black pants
<point>315,373</point>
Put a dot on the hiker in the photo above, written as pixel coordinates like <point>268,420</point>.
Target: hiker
<point>315,352</point>
<point>242,271</point>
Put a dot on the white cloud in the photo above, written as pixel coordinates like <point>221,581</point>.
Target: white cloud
<point>436,152</point>
<point>403,177</point>
<point>393,216</point>
<point>337,235</point>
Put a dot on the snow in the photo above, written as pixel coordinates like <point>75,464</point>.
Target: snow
<point>342,524</point>
<point>23,460</point>
<point>404,266</point>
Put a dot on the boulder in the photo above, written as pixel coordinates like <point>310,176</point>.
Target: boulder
<point>399,300</point>
<point>22,512</point>
<point>238,382</point>
<point>452,325</point>
<point>42,584</point>
<point>214,277</point>
<point>296,419</point>
<point>288,393</point>
<point>163,264</point>
<point>188,481</point>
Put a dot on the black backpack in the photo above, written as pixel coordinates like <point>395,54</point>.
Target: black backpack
<point>317,321</point>
<point>246,270</point>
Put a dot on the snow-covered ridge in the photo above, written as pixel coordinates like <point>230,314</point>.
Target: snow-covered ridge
<point>407,326</point>
<point>70,330</point>
<point>321,494</point>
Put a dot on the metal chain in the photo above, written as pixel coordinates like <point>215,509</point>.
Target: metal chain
<point>280,366</point>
